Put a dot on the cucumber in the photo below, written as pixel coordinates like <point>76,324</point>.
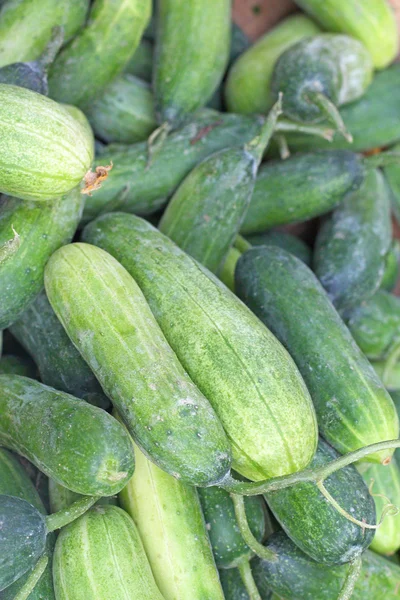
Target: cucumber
<point>226,271</point>
<point>185,76</point>
<point>162,408</point>
<point>352,406</point>
<point>44,151</point>
<point>235,361</point>
<point>141,62</point>
<point>100,50</point>
<point>392,174</point>
<point>16,365</point>
<point>41,229</point>
<point>234,588</point>
<point>60,365</point>
<point>105,538</point>
<point>61,497</point>
<point>247,88</point>
<point>372,22</point>
<point>168,516</point>
<point>360,227</point>
<point>47,426</point>
<point>390,377</point>
<point>392,267</point>
<point>284,240</point>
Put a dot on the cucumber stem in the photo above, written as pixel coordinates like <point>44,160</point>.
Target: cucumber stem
<point>392,358</point>
<point>253,544</point>
<point>341,510</point>
<point>283,147</point>
<point>33,578</point>
<point>256,147</point>
<point>70,513</point>
<point>382,159</point>
<point>351,579</point>
<point>330,112</point>
<point>248,580</point>
<point>287,126</point>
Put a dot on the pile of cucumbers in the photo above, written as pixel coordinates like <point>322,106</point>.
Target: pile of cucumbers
<point>195,402</point>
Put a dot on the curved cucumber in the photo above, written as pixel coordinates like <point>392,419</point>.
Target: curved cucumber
<point>17,365</point>
<point>79,445</point>
<point>284,240</point>
<point>352,406</point>
<point>249,378</point>
<point>162,408</point>
<point>105,538</point>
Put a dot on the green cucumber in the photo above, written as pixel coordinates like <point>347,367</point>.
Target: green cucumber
<point>168,516</point>
<point>41,229</point>
<point>372,22</point>
<point>191,54</point>
<point>77,444</point>
<point>141,62</point>
<point>234,588</point>
<point>392,174</point>
<point>226,271</point>
<point>359,227</point>
<point>100,50</point>
<point>17,365</point>
<point>392,267</point>
<point>59,363</point>
<point>389,375</point>
<point>44,151</point>
<point>162,408</point>
<point>352,406</point>
<point>249,378</point>
<point>247,88</point>
<point>284,240</point>
<point>61,497</point>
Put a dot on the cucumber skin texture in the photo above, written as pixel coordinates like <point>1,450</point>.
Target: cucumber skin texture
<point>142,189</point>
<point>17,365</point>
<point>228,545</point>
<point>247,88</point>
<point>162,408</point>
<point>49,152</point>
<point>42,229</point>
<point>283,240</point>
<point>105,538</point>
<point>99,52</point>
<point>234,588</point>
<point>314,525</point>
<point>103,458</point>
<point>360,227</point>
<point>352,406</point>
<point>60,365</point>
<point>168,516</point>
<point>186,298</point>
<point>141,62</point>
<point>191,54</point>
<point>330,176</point>
<point>372,22</point>
<point>124,113</point>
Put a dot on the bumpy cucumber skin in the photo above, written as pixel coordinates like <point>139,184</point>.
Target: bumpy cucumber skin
<point>162,408</point>
<point>284,240</point>
<point>60,365</point>
<point>228,545</point>
<point>191,54</point>
<point>101,556</point>
<point>330,176</point>
<point>352,244</point>
<point>247,88</point>
<point>372,22</point>
<point>79,445</point>
<point>234,588</point>
<point>168,516</point>
<point>42,229</point>
<point>352,406</point>
<point>136,186</point>
<point>99,52</point>
<point>314,525</point>
<point>17,365</point>
<point>248,377</point>
<point>141,62</point>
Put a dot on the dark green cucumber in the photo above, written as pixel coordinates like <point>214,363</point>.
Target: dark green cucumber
<point>17,365</point>
<point>284,240</point>
<point>77,444</point>
<point>352,406</point>
<point>392,174</point>
<point>141,62</point>
<point>162,408</point>
<point>247,375</point>
<point>234,588</point>
<point>60,365</point>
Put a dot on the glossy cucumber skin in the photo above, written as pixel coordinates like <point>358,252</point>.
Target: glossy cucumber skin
<point>330,176</point>
<point>60,365</point>
<point>372,22</point>
<point>191,54</point>
<point>142,189</point>
<point>315,525</point>
<point>283,240</point>
<point>359,227</point>
<point>168,516</point>
<point>352,406</point>
<point>79,445</point>
<point>162,408</point>
<point>186,299</point>
<point>247,88</point>
<point>42,229</point>
<point>141,62</point>
<point>105,538</point>
<point>392,174</point>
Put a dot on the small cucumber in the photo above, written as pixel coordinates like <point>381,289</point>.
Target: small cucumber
<point>283,240</point>
<point>17,365</point>
<point>100,50</point>
<point>106,539</point>
<point>168,516</point>
<point>185,76</point>
<point>162,408</point>
<point>141,62</point>
<point>79,445</point>
<point>359,227</point>
<point>234,588</point>
<point>392,267</point>
<point>247,375</point>
<point>352,406</point>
